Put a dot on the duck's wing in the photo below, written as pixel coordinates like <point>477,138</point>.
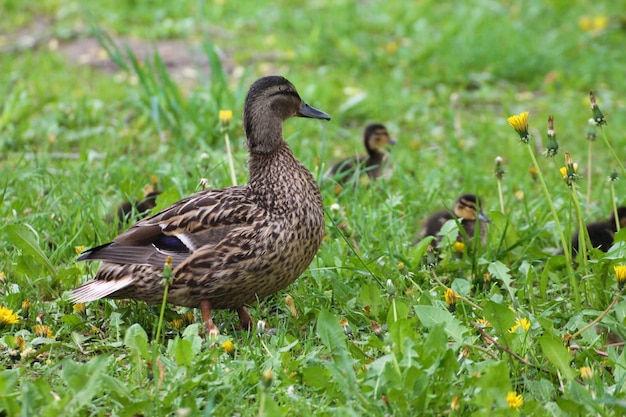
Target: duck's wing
<point>200,220</point>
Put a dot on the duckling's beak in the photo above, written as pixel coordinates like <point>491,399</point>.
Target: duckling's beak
<point>483,217</point>
<point>308,111</point>
<point>392,141</point>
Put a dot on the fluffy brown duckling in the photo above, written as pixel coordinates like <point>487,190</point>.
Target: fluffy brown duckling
<point>375,138</point>
<point>601,233</point>
<point>227,247</point>
<point>467,209</point>
<point>137,210</point>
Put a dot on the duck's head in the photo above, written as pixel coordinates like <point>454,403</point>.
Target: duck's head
<point>376,137</point>
<point>621,215</point>
<point>270,101</point>
<point>468,207</point>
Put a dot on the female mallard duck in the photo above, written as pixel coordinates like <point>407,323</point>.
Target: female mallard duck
<point>601,233</point>
<point>232,246</point>
<point>375,137</point>
<point>467,210</point>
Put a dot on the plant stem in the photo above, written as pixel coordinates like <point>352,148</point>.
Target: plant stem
<point>614,204</point>
<point>617,159</point>
<point>589,169</point>
<point>600,317</point>
<point>500,196</point>
<point>229,154</point>
<point>566,252</point>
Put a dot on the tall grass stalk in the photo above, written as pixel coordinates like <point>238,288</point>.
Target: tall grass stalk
<point>566,252</point>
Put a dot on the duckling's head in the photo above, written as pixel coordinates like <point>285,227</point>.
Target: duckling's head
<point>621,215</point>
<point>376,137</point>
<point>270,101</point>
<point>469,207</point>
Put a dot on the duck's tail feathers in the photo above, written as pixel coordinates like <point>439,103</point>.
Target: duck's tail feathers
<point>96,289</point>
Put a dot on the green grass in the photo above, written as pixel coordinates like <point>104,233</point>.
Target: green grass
<point>76,141</point>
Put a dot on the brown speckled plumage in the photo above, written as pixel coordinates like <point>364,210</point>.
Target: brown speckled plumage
<point>375,137</point>
<point>467,209</point>
<point>231,246</point>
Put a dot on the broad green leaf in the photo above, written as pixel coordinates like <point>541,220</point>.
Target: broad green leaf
<point>183,351</point>
<point>84,380</point>
<point>370,296</point>
<point>430,316</point>
<point>191,334</point>
<point>8,380</point>
<point>500,271</point>
<point>502,319</point>
<point>557,354</point>
<point>334,339</point>
<point>136,340</point>
<point>25,238</point>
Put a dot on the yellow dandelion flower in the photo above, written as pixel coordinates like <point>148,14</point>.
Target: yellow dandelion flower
<point>7,317</point>
<point>228,347</point>
<point>458,247</point>
<point>43,330</point>
<point>80,308</point>
<point>188,317</point>
<point>515,401</point>
<point>25,308</point>
<point>225,116</point>
<point>586,372</point>
<point>2,276</point>
<point>563,171</point>
<point>455,404</point>
<point>451,297</point>
<point>79,249</point>
<point>391,47</point>
<point>401,266</point>
<point>519,122</point>
<point>483,322</point>
<point>524,323</point>
<point>620,275</point>
<point>20,343</point>
<point>177,323</point>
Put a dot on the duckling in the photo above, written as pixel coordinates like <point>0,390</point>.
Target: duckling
<point>375,137</point>
<point>232,246</point>
<point>601,233</point>
<point>467,209</point>
<point>139,208</point>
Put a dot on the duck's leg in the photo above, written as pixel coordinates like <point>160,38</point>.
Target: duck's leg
<point>244,318</point>
<point>211,328</point>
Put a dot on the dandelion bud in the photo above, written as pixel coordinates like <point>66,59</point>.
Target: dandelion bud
<point>167,270</point>
<point>499,170</point>
<point>458,248</point>
<point>346,327</point>
<point>613,176</point>
<point>552,147</point>
<point>266,378</point>
<point>451,298</point>
<point>598,117</point>
<point>592,134</point>
<point>391,289</point>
